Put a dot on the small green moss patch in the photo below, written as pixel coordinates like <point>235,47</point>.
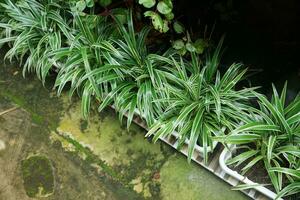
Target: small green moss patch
<point>38,176</point>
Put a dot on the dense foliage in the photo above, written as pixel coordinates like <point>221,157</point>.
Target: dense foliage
<point>34,29</point>
<point>274,131</point>
<point>200,102</point>
<point>107,58</point>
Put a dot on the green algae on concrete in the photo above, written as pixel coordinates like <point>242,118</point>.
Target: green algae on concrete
<point>29,94</point>
<point>107,138</point>
<point>180,180</point>
<point>124,161</point>
<point>145,166</point>
<point>38,176</point>
<point>133,158</point>
<point>74,178</point>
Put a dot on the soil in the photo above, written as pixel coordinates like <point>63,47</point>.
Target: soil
<point>257,173</point>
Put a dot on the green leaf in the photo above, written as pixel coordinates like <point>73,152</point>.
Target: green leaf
<point>195,131</point>
<point>165,26</point>
<point>272,175</point>
<point>158,23</point>
<point>178,44</point>
<point>293,107</point>
<point>292,172</point>
<point>156,126</point>
<point>256,126</point>
<point>241,138</point>
<point>147,3</point>
<point>247,186</point>
<point>121,14</point>
<point>164,7</point>
<point>279,175</point>
<point>131,111</point>
<point>271,144</point>
<point>90,3</point>
<point>294,119</point>
<point>294,150</point>
<point>178,27</point>
<point>7,39</point>
<point>276,113</point>
<point>105,3</point>
<point>283,94</point>
<point>190,47</point>
<point>86,100</point>
<point>252,163</point>
<point>109,98</point>
<point>81,5</point>
<point>212,63</point>
<point>182,51</point>
<point>169,16</point>
<point>200,45</point>
<point>242,157</point>
<point>292,188</point>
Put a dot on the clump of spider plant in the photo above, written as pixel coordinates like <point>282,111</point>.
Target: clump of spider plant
<point>33,29</point>
<point>273,131</point>
<point>48,36</point>
<point>201,102</point>
<point>83,62</point>
<point>3,20</point>
<point>142,72</point>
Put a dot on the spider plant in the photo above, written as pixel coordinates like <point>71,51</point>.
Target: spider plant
<point>294,187</point>
<point>33,29</point>
<point>3,20</point>
<point>83,62</point>
<point>142,74</point>
<point>201,103</point>
<point>274,130</point>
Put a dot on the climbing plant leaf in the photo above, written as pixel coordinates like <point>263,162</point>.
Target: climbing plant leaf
<point>80,5</point>
<point>190,47</point>
<point>147,3</point>
<point>158,23</point>
<point>169,16</point>
<point>200,45</point>
<point>90,3</point>
<point>105,3</point>
<point>164,7</point>
<point>178,27</point>
<point>178,44</point>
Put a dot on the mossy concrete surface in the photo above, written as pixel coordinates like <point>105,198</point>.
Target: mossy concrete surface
<point>26,131</point>
<point>180,180</point>
<point>38,176</point>
<point>95,158</point>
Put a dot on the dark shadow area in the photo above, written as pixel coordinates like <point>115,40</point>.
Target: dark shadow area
<point>264,35</point>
